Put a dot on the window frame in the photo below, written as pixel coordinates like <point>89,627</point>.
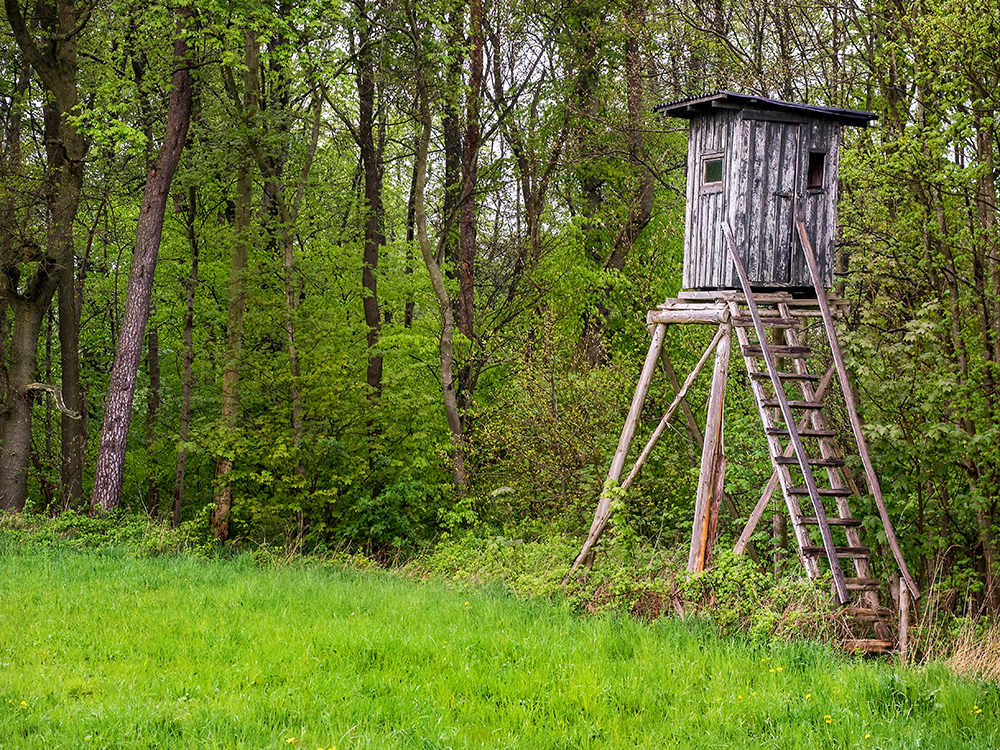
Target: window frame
<point>716,186</point>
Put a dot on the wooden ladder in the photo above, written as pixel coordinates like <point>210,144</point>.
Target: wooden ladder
<point>806,458</point>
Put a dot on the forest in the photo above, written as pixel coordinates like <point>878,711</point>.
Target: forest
<point>362,273</point>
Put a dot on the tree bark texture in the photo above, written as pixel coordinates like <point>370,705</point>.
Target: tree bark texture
<point>374,237</point>
<point>110,469</point>
<point>237,302</point>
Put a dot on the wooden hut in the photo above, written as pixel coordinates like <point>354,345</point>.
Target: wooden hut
<point>754,163</point>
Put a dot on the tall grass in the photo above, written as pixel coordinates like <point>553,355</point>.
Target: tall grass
<point>107,650</point>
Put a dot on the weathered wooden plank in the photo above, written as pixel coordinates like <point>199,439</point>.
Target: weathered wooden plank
<point>745,321</point>
<point>677,304</point>
<point>870,613</point>
<point>781,431</point>
<point>711,315</point>
<point>840,552</point>
<point>904,621</point>
<point>863,584</point>
<point>755,350</point>
<point>867,645</point>
<point>784,376</point>
<point>776,403</point>
<point>823,491</point>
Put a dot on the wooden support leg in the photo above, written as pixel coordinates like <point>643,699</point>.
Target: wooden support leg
<point>624,443</point>
<point>712,459</point>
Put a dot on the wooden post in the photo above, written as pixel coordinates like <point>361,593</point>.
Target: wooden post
<point>904,620</point>
<point>628,432</point>
<point>712,459</point>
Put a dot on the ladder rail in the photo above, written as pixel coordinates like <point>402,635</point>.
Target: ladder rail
<point>839,479</point>
<point>824,528</point>
<point>852,411</point>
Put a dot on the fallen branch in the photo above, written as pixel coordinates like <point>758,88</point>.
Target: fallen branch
<point>60,404</point>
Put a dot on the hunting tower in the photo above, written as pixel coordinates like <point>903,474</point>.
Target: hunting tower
<point>750,161</point>
<point>759,244</point>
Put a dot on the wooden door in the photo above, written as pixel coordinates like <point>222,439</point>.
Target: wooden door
<point>774,166</point>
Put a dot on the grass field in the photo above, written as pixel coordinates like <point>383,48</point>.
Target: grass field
<point>109,650</point>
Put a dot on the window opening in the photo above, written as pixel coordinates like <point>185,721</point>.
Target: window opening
<point>817,169</point>
<point>713,171</point>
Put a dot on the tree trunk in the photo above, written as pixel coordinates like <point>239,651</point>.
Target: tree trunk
<point>374,236</point>
<point>237,302</point>
<point>73,431</point>
<point>110,469</point>
<point>55,63</point>
<point>470,174</point>
<point>15,418</point>
<point>192,283</point>
<point>446,347</point>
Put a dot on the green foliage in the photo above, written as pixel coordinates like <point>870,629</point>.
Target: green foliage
<point>744,600</point>
<point>545,433</point>
<point>125,532</point>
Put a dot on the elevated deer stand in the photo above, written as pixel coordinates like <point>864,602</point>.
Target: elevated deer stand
<point>741,146</point>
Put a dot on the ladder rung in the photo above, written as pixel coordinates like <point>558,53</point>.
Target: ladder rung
<point>867,614</point>
<point>813,521</point>
<point>793,404</point>
<point>868,645</point>
<point>863,584</point>
<point>851,552</point>
<point>802,433</point>
<point>793,461</point>
<point>784,376</point>
<point>745,321</point>
<point>778,351</point>
<point>823,491</point>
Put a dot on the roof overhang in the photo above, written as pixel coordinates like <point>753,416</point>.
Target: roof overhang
<point>722,100</point>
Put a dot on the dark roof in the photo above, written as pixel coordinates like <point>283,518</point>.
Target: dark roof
<point>697,105</point>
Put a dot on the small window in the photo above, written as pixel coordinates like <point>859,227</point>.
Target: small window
<point>713,172</point>
<point>817,170</point>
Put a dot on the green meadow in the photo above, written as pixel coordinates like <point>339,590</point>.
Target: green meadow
<point>107,649</point>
